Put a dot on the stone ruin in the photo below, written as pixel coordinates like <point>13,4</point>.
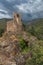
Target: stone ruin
<point>9,44</point>
<point>14,25</point>
<point>10,51</point>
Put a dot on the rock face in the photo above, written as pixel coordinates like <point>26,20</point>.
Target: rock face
<point>10,51</point>
<point>9,43</point>
<point>14,25</point>
<point>9,48</point>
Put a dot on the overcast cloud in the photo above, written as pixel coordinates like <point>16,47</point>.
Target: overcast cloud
<point>32,7</point>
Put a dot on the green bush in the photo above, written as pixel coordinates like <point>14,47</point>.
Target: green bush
<point>22,44</point>
<point>37,54</point>
<point>1,32</point>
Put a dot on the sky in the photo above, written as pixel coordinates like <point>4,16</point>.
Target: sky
<point>29,9</point>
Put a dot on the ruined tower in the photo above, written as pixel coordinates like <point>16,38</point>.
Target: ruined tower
<point>14,25</point>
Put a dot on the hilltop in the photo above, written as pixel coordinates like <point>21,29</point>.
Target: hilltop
<point>18,43</point>
<point>10,46</point>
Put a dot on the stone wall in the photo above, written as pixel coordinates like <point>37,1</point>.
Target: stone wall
<point>14,25</point>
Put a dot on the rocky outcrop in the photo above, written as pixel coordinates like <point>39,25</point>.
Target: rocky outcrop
<point>10,52</point>
<point>9,48</point>
<point>15,25</point>
<point>9,43</point>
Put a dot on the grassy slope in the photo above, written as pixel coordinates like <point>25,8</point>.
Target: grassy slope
<point>36,28</point>
<point>36,47</point>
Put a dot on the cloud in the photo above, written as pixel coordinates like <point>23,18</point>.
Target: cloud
<point>23,6</point>
<point>10,0</point>
<point>4,16</point>
<point>1,10</point>
<point>31,6</point>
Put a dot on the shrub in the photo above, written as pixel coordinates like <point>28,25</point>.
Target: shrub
<point>22,44</point>
<point>1,32</point>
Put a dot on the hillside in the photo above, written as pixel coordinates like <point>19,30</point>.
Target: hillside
<point>3,25</point>
<point>20,45</point>
<point>35,27</point>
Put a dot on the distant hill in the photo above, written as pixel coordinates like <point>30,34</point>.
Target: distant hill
<point>3,25</point>
<point>35,27</point>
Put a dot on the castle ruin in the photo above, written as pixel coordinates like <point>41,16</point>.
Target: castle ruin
<point>14,25</point>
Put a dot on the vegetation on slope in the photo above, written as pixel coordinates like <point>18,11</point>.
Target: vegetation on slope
<point>35,50</point>
<point>3,25</point>
<point>35,47</point>
<point>36,28</point>
<point>37,54</point>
